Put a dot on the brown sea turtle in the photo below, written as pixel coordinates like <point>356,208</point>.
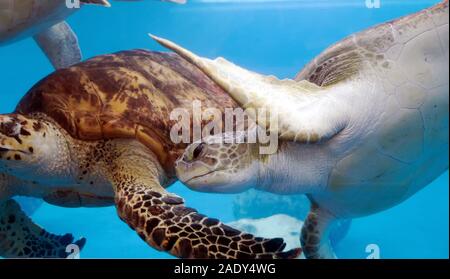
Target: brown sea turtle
<point>44,21</point>
<point>98,134</point>
<point>362,128</point>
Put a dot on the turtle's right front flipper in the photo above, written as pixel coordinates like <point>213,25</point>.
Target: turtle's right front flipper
<point>21,238</point>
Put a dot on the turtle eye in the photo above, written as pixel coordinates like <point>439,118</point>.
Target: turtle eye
<point>197,150</point>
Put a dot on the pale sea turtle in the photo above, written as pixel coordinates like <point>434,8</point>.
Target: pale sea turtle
<point>270,227</point>
<point>255,204</point>
<point>363,127</point>
<point>98,134</point>
<point>44,20</point>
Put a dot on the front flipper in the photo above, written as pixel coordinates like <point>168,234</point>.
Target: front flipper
<point>315,234</point>
<point>21,238</point>
<point>165,223</point>
<point>60,44</point>
<point>305,112</point>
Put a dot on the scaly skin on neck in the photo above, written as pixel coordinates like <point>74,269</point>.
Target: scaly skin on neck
<point>124,160</point>
<point>278,174</point>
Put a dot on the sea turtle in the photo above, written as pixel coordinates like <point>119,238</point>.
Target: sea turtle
<point>98,134</point>
<point>363,127</point>
<point>44,20</point>
<point>270,227</point>
<point>255,204</point>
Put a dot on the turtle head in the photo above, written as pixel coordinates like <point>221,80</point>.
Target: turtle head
<point>31,148</point>
<point>216,165</point>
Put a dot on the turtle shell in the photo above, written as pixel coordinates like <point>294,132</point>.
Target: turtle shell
<point>129,94</point>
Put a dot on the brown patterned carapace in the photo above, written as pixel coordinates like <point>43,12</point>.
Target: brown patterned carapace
<point>129,94</point>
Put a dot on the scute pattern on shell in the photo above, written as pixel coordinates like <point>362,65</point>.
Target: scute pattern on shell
<point>377,47</point>
<point>407,61</point>
<point>125,95</point>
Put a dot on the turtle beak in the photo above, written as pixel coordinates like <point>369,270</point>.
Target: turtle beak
<point>182,170</point>
<point>190,173</point>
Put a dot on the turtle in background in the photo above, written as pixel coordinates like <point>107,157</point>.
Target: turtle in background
<point>44,21</point>
<point>254,204</point>
<point>362,128</point>
<point>98,134</point>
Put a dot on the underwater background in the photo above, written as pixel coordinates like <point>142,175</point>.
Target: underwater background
<point>268,36</point>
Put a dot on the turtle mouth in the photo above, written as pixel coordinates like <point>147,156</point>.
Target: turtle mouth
<point>204,174</point>
<point>198,176</point>
<point>4,150</point>
<point>199,183</point>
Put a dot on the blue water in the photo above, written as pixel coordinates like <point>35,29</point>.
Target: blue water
<point>271,37</point>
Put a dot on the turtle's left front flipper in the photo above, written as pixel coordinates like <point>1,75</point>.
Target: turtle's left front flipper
<point>60,44</point>
<point>21,238</point>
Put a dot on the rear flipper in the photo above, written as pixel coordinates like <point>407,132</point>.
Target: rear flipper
<point>315,234</point>
<point>21,238</point>
<point>60,44</point>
